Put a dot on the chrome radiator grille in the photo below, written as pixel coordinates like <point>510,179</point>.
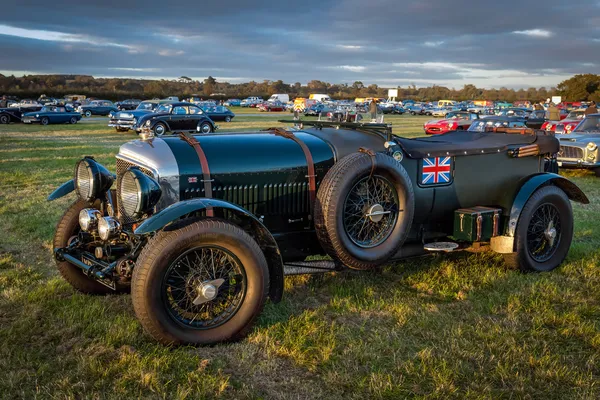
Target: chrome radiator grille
<point>570,152</point>
<point>123,166</point>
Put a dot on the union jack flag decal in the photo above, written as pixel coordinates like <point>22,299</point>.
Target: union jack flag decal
<point>436,171</point>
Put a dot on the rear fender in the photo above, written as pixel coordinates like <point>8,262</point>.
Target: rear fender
<point>227,211</point>
<point>505,244</point>
<point>62,190</point>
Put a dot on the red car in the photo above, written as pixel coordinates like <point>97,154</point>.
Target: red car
<point>455,120</point>
<point>270,106</point>
<point>567,124</point>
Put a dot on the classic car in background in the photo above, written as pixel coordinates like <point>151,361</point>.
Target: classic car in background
<point>10,114</point>
<point>455,120</point>
<point>579,148</point>
<point>129,104</point>
<point>175,117</point>
<point>97,107</point>
<point>251,101</point>
<point>232,103</point>
<point>271,106</point>
<point>123,121</point>
<point>52,115</point>
<point>481,124</point>
<point>203,228</point>
<point>536,119</point>
<point>27,105</point>
<point>416,109</point>
<point>566,125</point>
<point>219,113</point>
<point>318,109</point>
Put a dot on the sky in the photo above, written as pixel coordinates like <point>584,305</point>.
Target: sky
<point>515,44</point>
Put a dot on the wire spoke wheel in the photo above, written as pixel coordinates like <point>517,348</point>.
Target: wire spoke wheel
<point>544,232</point>
<point>370,211</point>
<point>204,287</point>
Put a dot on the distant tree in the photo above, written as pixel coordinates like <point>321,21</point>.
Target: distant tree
<point>580,87</point>
<point>209,85</point>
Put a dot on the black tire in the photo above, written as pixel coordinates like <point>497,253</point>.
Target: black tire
<point>121,130</point>
<point>4,119</point>
<point>413,113</point>
<point>205,127</point>
<point>87,114</point>
<point>159,129</point>
<point>44,121</point>
<point>228,119</point>
<point>597,172</point>
<point>67,227</point>
<point>73,121</point>
<point>154,303</point>
<point>529,257</point>
<point>335,217</point>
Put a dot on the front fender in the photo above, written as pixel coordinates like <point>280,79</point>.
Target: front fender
<point>62,190</point>
<point>531,185</point>
<point>257,230</point>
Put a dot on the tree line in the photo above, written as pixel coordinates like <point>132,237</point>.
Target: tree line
<point>577,88</point>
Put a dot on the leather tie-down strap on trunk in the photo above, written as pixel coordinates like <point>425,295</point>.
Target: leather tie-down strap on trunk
<point>206,179</point>
<point>312,177</point>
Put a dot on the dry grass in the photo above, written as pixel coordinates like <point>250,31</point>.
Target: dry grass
<point>459,326</point>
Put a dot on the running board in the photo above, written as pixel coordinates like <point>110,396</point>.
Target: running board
<point>310,267</point>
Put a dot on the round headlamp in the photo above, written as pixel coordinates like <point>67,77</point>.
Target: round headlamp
<point>108,227</point>
<point>591,146</point>
<point>88,219</point>
<point>91,179</point>
<point>138,193</point>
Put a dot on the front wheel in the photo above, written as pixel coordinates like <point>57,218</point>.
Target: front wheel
<point>159,129</point>
<point>73,120</point>
<point>202,284</point>
<point>45,121</point>
<point>544,231</point>
<point>205,127</point>
<point>228,119</point>
<point>88,114</point>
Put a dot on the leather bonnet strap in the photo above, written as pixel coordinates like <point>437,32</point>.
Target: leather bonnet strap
<point>312,177</point>
<point>206,179</point>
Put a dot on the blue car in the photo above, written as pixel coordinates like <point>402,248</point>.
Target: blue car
<point>233,103</point>
<point>52,115</point>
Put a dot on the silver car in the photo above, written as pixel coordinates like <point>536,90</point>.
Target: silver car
<point>579,149</point>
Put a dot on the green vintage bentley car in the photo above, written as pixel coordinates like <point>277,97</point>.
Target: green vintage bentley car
<point>203,228</point>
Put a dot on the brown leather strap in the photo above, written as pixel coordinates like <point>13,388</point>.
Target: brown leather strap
<point>312,177</point>
<point>206,179</point>
<point>373,159</point>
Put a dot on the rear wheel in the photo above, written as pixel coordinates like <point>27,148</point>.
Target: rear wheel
<point>228,119</point>
<point>73,120</point>
<point>544,231</point>
<point>4,119</point>
<point>204,283</point>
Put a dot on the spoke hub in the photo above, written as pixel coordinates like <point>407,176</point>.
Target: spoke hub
<point>550,234</point>
<point>208,291</point>
<point>376,213</point>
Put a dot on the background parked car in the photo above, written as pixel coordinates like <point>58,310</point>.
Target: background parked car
<point>176,117</point>
<point>129,104</point>
<point>454,121</point>
<point>566,125</point>
<point>579,148</point>
<point>52,115</point>
<point>271,106</point>
<point>97,107</point>
<point>10,114</point>
<point>219,113</point>
<point>123,121</point>
<point>232,103</point>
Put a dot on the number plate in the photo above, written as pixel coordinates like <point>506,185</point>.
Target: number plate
<point>559,163</point>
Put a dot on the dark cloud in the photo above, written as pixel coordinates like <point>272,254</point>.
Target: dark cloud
<point>388,42</point>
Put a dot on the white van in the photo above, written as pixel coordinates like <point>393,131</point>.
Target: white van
<point>320,97</point>
<point>284,98</point>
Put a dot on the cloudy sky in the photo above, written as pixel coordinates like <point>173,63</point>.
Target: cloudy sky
<point>388,42</point>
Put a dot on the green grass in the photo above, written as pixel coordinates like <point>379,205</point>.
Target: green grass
<point>456,326</point>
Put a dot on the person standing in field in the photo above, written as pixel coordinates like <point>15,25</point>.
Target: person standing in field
<point>592,109</point>
<point>553,113</point>
<point>3,102</point>
<point>373,110</point>
<point>538,106</point>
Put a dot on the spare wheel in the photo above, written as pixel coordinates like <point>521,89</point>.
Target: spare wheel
<point>364,209</point>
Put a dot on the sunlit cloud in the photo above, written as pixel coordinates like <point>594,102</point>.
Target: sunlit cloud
<point>539,33</point>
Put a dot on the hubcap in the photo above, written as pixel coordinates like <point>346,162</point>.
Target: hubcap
<point>204,287</point>
<point>205,128</point>
<point>544,233</point>
<point>159,130</point>
<point>371,210</point>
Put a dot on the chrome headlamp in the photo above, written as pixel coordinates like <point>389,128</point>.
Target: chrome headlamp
<point>108,227</point>
<point>91,179</point>
<point>138,193</point>
<point>591,146</point>
<point>88,219</point>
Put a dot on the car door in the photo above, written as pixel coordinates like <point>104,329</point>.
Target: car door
<point>177,119</point>
<point>194,116</point>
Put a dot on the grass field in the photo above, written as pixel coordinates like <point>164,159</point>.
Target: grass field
<point>457,326</point>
